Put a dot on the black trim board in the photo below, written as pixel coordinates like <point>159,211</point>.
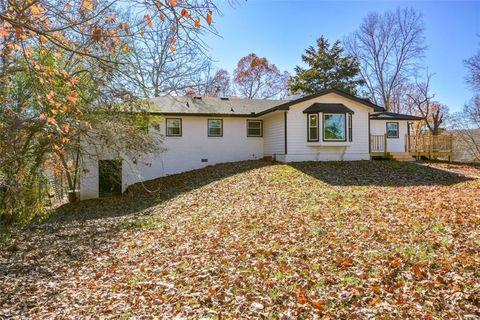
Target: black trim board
<point>393,116</point>
<point>285,130</point>
<point>369,135</point>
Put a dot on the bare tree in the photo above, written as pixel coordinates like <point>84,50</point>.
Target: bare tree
<point>473,66</point>
<point>155,68</point>
<point>419,100</point>
<point>388,47</point>
<point>467,130</point>
<point>211,82</point>
<point>255,77</point>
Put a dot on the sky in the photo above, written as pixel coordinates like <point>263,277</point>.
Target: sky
<point>281,30</point>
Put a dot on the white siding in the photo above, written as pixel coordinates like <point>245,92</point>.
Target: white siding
<point>274,135</point>
<point>182,153</point>
<point>186,152</point>
<point>379,127</point>
<point>301,150</point>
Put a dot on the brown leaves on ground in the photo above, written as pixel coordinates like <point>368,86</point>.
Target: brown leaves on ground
<point>257,239</point>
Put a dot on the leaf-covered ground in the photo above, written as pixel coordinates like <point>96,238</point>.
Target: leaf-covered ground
<point>255,239</point>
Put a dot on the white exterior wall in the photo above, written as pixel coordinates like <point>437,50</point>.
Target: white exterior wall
<point>182,153</point>
<point>379,127</point>
<point>186,152</point>
<point>298,149</point>
<point>274,135</point>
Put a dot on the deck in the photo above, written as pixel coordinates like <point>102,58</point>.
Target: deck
<point>427,146</point>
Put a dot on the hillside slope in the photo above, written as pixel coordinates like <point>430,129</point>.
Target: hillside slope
<point>252,239</point>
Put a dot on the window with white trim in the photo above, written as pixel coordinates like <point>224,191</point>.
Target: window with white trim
<point>392,130</point>
<point>174,127</point>
<point>312,127</point>
<point>254,128</point>
<point>334,127</point>
<point>215,127</point>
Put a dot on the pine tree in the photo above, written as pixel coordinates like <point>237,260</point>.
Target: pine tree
<point>328,67</point>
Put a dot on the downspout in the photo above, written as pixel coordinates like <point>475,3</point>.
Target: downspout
<point>285,132</point>
<point>369,137</point>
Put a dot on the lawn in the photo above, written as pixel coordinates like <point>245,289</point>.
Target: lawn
<point>257,239</point>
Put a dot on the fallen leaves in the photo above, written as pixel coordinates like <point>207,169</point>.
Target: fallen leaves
<point>257,239</point>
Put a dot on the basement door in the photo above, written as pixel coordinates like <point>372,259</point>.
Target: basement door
<point>109,177</point>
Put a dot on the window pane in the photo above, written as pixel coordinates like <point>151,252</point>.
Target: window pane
<point>254,124</point>
<point>313,133</point>
<point>215,123</point>
<point>215,132</point>
<point>392,129</point>
<point>175,123</point>
<point>254,128</point>
<point>215,128</point>
<point>173,131</point>
<point>313,120</point>
<point>174,127</point>
<point>334,127</point>
<point>392,126</point>
<point>254,132</point>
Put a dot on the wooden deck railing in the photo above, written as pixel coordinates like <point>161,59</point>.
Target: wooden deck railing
<point>378,143</point>
<point>429,144</point>
<point>420,145</point>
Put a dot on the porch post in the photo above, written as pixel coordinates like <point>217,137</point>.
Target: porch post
<point>385,145</point>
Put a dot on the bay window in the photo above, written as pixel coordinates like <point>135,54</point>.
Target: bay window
<point>334,127</point>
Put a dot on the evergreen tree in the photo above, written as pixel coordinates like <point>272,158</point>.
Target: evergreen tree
<point>328,67</point>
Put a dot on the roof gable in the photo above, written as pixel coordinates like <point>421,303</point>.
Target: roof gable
<point>286,105</point>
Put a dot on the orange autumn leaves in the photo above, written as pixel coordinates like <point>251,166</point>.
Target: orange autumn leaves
<point>184,14</point>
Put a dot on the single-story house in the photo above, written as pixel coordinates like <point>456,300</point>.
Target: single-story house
<point>200,131</point>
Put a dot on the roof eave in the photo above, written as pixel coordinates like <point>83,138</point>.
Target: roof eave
<point>190,114</point>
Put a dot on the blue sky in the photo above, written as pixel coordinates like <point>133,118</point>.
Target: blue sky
<point>281,30</point>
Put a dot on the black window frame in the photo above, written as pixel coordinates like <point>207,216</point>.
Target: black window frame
<point>221,128</point>
<point>344,126</point>
<point>309,127</point>
<point>166,127</point>
<point>398,129</point>
<point>261,128</point>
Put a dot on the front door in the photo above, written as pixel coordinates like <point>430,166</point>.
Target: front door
<point>109,177</point>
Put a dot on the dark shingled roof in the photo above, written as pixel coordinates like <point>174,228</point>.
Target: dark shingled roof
<point>198,106</point>
<point>234,107</point>
<point>328,107</point>
<point>393,116</point>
